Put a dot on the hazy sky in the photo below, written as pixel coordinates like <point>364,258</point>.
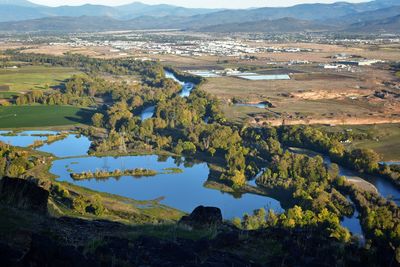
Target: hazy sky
<point>193,3</point>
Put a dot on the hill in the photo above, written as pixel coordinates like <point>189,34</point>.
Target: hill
<point>279,25</point>
<point>388,25</point>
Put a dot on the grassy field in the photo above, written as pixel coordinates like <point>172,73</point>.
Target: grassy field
<point>7,95</point>
<point>385,139</point>
<point>42,116</point>
<point>33,77</point>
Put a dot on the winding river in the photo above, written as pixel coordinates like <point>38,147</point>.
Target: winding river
<point>186,89</point>
<point>374,183</point>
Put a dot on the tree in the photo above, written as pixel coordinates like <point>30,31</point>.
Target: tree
<point>97,120</point>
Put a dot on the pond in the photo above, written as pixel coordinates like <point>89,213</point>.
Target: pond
<point>148,113</point>
<point>72,145</point>
<point>265,77</point>
<point>259,105</point>
<point>184,191</point>
<point>25,139</point>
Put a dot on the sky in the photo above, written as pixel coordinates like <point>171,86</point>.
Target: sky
<point>192,3</point>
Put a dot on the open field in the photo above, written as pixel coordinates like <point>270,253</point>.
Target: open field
<point>34,77</point>
<point>325,96</point>
<point>384,138</point>
<point>6,95</point>
<point>42,116</point>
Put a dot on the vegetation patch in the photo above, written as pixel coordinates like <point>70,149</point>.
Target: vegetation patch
<point>34,77</point>
<point>116,173</point>
<point>42,116</point>
<point>173,170</point>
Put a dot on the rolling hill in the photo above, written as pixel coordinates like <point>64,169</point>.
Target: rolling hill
<point>278,25</point>
<point>22,15</point>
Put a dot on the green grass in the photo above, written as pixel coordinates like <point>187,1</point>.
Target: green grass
<point>42,116</point>
<point>7,95</point>
<point>34,77</point>
<point>385,141</point>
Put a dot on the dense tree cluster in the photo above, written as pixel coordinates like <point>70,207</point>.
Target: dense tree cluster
<point>296,218</point>
<point>361,160</point>
<point>380,219</point>
<point>15,162</point>
<point>53,98</point>
<point>309,180</point>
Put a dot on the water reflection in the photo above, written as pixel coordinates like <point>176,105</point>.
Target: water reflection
<point>183,191</point>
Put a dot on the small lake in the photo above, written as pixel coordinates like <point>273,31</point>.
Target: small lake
<point>148,113</point>
<point>184,191</point>
<point>25,138</point>
<point>259,105</point>
<point>205,74</point>
<point>72,145</point>
<point>265,77</point>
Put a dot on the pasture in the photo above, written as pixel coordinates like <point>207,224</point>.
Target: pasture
<point>42,116</point>
<point>384,139</point>
<point>28,78</point>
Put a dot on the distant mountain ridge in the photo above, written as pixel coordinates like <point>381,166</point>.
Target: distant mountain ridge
<point>16,10</point>
<point>22,15</point>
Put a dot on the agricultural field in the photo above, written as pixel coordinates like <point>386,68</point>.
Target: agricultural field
<point>384,138</point>
<point>28,78</point>
<point>42,116</point>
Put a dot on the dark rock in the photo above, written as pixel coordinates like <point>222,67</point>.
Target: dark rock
<point>23,194</point>
<point>203,217</point>
<point>45,251</point>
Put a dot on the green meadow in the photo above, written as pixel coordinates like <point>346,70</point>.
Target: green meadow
<point>33,77</point>
<point>42,116</point>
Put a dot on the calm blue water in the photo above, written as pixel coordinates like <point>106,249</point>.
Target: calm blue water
<point>265,77</point>
<point>148,113</point>
<point>23,139</point>
<point>205,74</point>
<point>68,147</point>
<point>353,224</point>
<point>263,106</point>
<point>187,87</point>
<point>184,191</point>
<point>71,146</point>
<point>390,162</point>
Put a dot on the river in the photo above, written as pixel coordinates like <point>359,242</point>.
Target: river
<point>374,183</point>
<point>186,89</point>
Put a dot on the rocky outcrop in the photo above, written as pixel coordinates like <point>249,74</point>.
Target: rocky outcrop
<point>23,194</point>
<point>203,217</point>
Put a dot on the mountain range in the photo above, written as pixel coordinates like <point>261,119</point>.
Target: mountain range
<point>379,15</point>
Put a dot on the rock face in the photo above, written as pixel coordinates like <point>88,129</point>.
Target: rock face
<point>23,194</point>
<point>203,217</point>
